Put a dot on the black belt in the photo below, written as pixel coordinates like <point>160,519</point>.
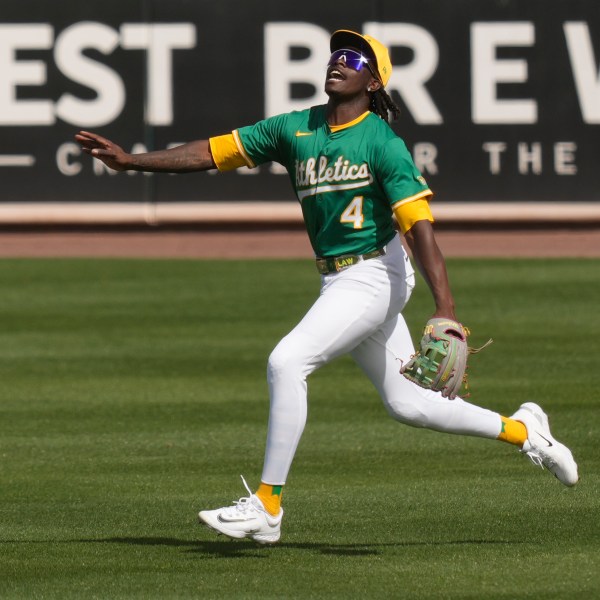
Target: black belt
<point>336,264</point>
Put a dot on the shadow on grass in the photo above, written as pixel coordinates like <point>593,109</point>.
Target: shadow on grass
<point>229,548</point>
<point>244,548</point>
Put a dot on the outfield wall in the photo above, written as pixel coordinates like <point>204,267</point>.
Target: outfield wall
<point>500,99</point>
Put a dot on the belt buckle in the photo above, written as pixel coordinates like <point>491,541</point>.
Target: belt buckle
<point>322,266</point>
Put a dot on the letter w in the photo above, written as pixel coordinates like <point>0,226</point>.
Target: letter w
<point>585,69</point>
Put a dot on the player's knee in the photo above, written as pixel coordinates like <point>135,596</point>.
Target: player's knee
<point>284,363</point>
<point>408,413</point>
<point>411,404</point>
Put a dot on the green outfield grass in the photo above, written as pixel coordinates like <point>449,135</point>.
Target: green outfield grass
<point>134,394</point>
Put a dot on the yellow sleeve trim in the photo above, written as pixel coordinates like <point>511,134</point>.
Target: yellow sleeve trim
<point>228,152</point>
<point>422,194</point>
<point>242,150</point>
<point>408,212</point>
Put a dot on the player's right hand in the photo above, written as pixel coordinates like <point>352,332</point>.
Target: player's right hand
<point>109,153</point>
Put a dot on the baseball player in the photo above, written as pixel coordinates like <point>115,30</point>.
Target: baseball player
<point>352,175</point>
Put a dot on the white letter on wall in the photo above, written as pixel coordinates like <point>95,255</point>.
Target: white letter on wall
<point>14,73</point>
<point>109,88</point>
<point>487,71</point>
<point>409,80</point>
<point>585,70</point>
<point>159,40</point>
<point>281,72</point>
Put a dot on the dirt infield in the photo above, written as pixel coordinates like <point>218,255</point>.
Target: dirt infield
<point>284,244</point>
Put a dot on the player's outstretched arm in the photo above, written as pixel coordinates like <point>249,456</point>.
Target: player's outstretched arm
<point>431,264</point>
<point>193,156</point>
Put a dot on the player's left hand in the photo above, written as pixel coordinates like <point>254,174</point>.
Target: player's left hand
<point>441,362</point>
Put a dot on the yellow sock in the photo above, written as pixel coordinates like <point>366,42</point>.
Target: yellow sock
<point>270,496</point>
<point>513,432</point>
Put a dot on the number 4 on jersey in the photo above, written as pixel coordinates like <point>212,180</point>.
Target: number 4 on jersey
<point>353,213</point>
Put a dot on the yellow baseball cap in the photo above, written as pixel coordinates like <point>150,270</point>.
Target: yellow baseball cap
<point>344,38</point>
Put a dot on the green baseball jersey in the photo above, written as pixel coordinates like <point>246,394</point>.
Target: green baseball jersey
<point>348,179</point>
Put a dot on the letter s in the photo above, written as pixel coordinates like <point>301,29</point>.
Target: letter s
<point>104,81</point>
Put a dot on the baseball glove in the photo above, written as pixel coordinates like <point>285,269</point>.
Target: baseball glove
<point>441,362</point>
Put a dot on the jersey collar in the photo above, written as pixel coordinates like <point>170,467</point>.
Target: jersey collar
<point>334,128</point>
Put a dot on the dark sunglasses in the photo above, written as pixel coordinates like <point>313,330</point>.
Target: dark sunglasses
<point>353,59</point>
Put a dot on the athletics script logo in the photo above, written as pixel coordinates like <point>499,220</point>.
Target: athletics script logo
<point>317,178</point>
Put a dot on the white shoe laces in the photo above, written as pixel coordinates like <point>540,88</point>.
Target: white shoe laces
<point>536,459</point>
<point>539,457</point>
<point>243,505</point>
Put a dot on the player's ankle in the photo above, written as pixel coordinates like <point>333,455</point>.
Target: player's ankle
<point>270,496</point>
<point>513,432</point>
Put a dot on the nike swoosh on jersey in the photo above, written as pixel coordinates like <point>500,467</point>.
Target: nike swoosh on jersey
<point>303,133</point>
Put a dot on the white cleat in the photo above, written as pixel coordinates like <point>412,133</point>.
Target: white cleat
<point>246,518</point>
<point>542,449</point>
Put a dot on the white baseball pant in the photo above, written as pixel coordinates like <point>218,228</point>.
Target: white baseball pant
<point>358,312</point>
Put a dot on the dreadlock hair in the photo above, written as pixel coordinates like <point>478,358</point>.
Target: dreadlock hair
<point>382,105</point>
